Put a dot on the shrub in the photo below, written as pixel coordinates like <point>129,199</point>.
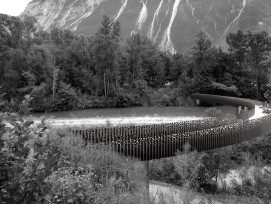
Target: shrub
<point>188,166</point>
<point>53,166</point>
<point>71,185</point>
<point>213,112</point>
<point>28,155</point>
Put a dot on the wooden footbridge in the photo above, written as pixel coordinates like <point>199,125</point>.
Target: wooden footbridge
<point>148,142</point>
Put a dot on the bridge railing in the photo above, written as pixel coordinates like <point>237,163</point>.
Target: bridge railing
<point>151,141</point>
<point>107,134</point>
<point>156,141</point>
<point>207,139</point>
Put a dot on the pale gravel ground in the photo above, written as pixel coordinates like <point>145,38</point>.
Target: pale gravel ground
<point>115,121</point>
<point>165,193</point>
<point>118,121</point>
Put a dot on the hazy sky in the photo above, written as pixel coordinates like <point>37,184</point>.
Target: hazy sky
<point>13,7</point>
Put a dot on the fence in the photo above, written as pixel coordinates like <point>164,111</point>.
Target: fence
<point>111,134</point>
<point>164,140</point>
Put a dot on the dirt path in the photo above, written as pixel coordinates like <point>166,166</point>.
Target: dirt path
<point>162,193</point>
<point>169,194</point>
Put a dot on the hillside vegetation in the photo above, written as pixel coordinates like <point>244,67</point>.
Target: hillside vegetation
<point>46,165</point>
<point>63,71</point>
<point>41,71</point>
<point>207,174</point>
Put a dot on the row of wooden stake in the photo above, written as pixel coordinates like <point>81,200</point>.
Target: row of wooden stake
<point>164,140</point>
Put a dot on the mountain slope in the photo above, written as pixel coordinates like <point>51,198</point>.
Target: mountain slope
<point>172,24</point>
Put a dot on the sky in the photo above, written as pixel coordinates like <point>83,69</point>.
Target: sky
<point>13,7</point>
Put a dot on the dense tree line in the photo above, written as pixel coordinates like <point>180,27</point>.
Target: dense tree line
<point>61,70</point>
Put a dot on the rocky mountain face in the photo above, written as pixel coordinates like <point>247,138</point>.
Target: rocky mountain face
<point>172,24</point>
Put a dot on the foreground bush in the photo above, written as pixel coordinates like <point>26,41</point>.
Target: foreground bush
<point>39,165</point>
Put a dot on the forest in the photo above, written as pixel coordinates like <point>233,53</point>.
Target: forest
<point>62,71</point>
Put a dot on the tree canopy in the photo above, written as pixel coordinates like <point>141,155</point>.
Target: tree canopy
<point>61,70</point>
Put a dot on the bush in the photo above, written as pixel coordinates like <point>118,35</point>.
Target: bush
<point>163,170</point>
<point>267,110</point>
<point>53,166</point>
<point>188,166</point>
<point>28,155</point>
<point>70,185</point>
<point>213,112</point>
